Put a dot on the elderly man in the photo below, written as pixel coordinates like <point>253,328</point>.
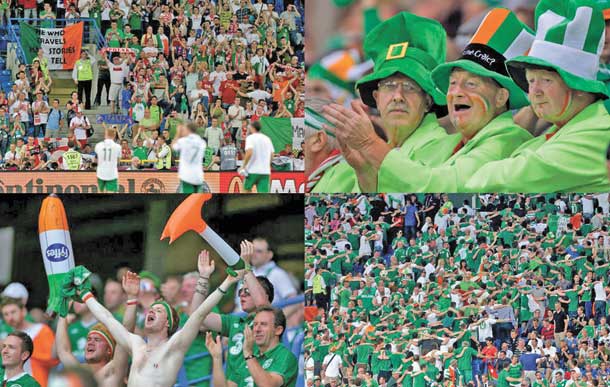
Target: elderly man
<point>479,94</point>
<point>559,74</point>
<point>319,145</point>
<point>405,48</point>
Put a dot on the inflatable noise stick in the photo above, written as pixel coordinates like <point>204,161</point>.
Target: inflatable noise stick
<point>56,248</point>
<point>187,217</point>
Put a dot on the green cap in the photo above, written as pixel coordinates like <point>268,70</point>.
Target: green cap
<point>151,276</point>
<point>569,39</point>
<point>500,36</point>
<point>407,44</point>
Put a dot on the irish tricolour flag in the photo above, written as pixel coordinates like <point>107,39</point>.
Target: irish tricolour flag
<point>61,46</point>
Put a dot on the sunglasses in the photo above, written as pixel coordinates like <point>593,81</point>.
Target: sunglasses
<point>245,292</point>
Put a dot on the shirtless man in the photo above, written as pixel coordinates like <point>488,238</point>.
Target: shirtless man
<point>107,361</point>
<point>157,360</point>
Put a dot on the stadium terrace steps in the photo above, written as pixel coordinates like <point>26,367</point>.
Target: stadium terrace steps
<point>62,88</point>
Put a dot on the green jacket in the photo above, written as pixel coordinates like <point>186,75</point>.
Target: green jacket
<point>573,160</point>
<point>342,177</point>
<point>497,140</point>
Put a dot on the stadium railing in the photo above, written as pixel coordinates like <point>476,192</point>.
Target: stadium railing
<point>296,347</point>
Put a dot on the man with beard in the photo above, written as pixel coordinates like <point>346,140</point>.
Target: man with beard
<point>107,361</point>
<point>405,49</point>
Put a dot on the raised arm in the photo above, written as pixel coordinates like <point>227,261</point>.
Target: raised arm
<point>117,368</point>
<point>182,340</point>
<point>254,287</point>
<point>62,344</point>
<point>118,331</point>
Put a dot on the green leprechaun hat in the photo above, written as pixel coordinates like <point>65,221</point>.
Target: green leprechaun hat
<point>569,40</point>
<point>408,44</point>
<point>501,36</point>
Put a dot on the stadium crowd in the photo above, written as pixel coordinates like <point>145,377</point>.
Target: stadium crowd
<point>80,337</point>
<point>220,64</point>
<point>419,291</point>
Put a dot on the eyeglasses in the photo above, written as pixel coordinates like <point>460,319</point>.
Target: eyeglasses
<point>392,85</point>
<point>244,292</point>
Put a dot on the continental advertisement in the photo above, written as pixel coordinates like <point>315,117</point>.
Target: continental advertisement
<point>135,182</point>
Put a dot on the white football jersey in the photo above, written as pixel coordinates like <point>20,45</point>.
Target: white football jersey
<point>108,156</point>
<point>192,151</point>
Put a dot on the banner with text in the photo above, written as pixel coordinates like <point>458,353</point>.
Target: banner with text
<point>137,182</point>
<point>61,46</point>
<point>298,132</point>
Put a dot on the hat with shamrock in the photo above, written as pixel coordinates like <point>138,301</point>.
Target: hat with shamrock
<point>569,40</point>
<point>407,44</point>
<point>501,36</point>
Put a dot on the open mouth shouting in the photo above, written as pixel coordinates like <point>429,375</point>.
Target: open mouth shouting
<point>461,107</point>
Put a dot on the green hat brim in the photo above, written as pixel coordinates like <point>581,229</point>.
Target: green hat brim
<point>516,68</point>
<point>440,76</point>
<point>407,67</point>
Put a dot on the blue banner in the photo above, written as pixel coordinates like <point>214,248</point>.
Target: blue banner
<point>114,119</point>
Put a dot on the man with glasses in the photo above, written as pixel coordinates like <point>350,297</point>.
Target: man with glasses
<point>264,265</point>
<point>405,49</point>
<point>480,95</point>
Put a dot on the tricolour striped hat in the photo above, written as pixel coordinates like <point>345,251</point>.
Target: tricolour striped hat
<point>569,40</point>
<point>501,36</point>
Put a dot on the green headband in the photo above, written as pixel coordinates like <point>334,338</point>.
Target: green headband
<point>170,314</point>
<point>106,337</point>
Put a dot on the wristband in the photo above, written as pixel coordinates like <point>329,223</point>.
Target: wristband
<point>205,278</point>
<point>132,301</point>
<point>249,357</point>
<point>222,291</point>
<point>87,296</point>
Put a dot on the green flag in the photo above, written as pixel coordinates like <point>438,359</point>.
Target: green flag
<point>29,41</point>
<point>279,130</point>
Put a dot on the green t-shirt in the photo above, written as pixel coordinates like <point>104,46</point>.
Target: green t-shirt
<point>23,380</point>
<point>419,380</point>
<point>363,351</point>
<point>465,361</point>
<point>140,152</point>
<point>502,382</point>
<point>514,370</point>
<point>114,38</point>
<point>233,328</point>
<point>278,360</point>
<point>201,366</point>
